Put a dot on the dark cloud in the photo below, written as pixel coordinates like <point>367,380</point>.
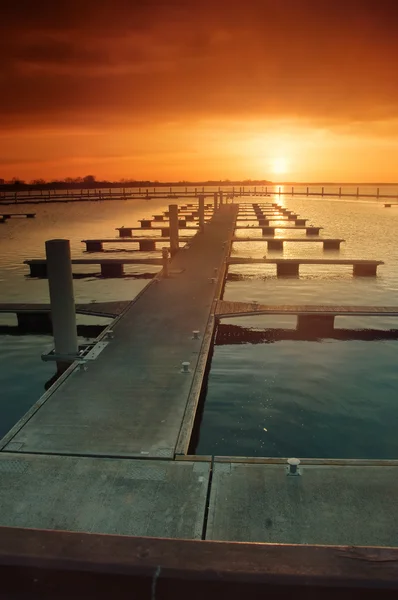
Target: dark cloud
<point>70,62</point>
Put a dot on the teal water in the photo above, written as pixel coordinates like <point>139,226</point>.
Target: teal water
<point>328,398</point>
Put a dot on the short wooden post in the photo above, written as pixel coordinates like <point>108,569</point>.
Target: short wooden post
<point>173,219</point>
<point>292,191</point>
<point>307,190</point>
<point>215,201</point>
<point>323,190</point>
<point>201,213</point>
<point>340,192</point>
<point>165,258</point>
<point>378,193</point>
<point>221,197</point>
<point>357,192</point>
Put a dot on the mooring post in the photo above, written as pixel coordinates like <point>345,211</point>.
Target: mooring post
<point>63,311</point>
<point>323,189</point>
<point>307,191</point>
<point>221,197</point>
<point>201,213</point>
<point>340,192</point>
<point>215,201</point>
<point>165,257</point>
<point>378,193</point>
<point>173,219</point>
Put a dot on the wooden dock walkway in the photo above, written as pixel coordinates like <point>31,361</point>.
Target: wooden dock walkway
<point>309,229</point>
<point>6,216</point>
<point>132,400</point>
<point>225,308</point>
<point>110,267</point>
<point>100,452</point>
<point>277,243</point>
<point>290,266</point>
<point>145,244</point>
<point>36,318</point>
<point>99,309</point>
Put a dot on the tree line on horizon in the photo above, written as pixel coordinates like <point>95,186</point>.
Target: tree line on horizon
<point>91,181</point>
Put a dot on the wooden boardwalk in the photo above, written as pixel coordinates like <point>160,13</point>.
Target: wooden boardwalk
<point>99,309</point>
<point>101,451</point>
<point>6,216</point>
<point>291,266</point>
<point>132,400</point>
<point>277,243</point>
<point>343,502</point>
<point>145,243</point>
<point>226,308</point>
<point>110,267</point>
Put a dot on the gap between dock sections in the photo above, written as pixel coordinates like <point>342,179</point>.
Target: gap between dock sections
<point>134,401</point>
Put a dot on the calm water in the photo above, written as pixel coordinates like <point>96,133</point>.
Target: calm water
<point>328,398</point>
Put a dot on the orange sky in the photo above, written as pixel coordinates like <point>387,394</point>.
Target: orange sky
<point>301,90</point>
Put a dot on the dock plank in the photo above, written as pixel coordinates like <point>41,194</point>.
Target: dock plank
<point>225,308</point>
<point>102,261</point>
<point>98,495</point>
<point>286,239</point>
<point>336,505</point>
<point>105,309</point>
<point>304,261</point>
<point>132,399</point>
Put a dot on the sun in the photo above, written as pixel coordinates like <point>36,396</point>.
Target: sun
<point>279,165</point>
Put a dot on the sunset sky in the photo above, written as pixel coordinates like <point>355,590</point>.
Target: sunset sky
<point>298,90</point>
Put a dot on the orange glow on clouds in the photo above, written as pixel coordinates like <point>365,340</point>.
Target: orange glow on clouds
<point>211,90</point>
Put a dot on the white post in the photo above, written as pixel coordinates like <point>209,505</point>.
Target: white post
<point>165,257</point>
<point>63,312</point>
<point>173,218</point>
<point>201,214</point>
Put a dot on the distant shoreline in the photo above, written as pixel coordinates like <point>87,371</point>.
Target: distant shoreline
<point>62,185</point>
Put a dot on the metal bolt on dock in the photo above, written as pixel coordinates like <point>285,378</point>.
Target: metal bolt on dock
<point>293,466</point>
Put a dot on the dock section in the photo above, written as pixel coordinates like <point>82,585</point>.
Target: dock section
<point>99,495</point>
<point>132,399</point>
<point>350,503</point>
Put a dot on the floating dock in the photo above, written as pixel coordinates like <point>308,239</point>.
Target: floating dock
<point>132,400</point>
<point>110,267</point>
<point>291,266</point>
<point>105,450</point>
<point>277,243</point>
